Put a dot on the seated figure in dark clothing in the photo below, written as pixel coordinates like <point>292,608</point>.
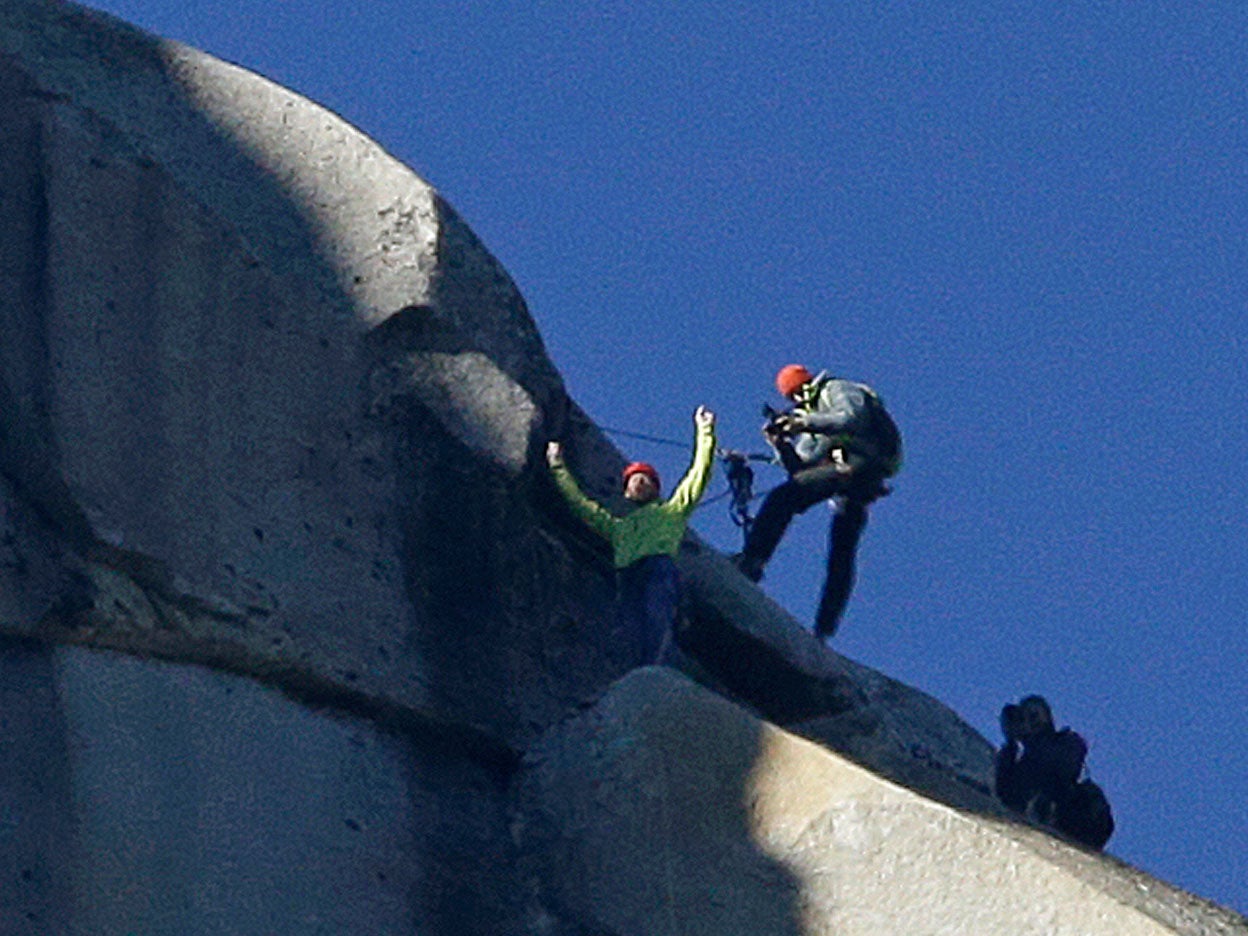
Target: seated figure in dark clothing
<point>1038,774</point>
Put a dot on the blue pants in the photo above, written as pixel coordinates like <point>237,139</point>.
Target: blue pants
<point>648,598</point>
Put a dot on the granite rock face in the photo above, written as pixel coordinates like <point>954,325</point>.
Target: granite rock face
<point>666,809</point>
<point>269,389</point>
<point>163,798</point>
<point>295,635</point>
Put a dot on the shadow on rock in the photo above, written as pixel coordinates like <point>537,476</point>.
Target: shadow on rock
<point>635,817</point>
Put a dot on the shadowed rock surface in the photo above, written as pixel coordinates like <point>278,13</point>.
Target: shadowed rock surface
<point>636,811</point>
<point>296,637</point>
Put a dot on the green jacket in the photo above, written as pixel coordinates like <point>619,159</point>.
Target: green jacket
<point>655,529</point>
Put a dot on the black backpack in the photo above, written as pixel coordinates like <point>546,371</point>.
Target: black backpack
<point>1085,816</point>
<point>884,433</point>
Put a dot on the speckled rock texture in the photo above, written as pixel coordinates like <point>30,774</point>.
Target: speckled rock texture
<point>296,636</point>
<point>666,809</point>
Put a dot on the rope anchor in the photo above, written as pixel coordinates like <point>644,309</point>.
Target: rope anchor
<point>740,486</point>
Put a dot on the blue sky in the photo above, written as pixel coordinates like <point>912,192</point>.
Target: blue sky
<point>1023,223</point>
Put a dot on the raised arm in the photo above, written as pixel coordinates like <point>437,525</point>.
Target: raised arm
<point>596,517</point>
<point>693,484</point>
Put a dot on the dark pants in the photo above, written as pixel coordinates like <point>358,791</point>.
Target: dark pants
<point>802,491</point>
<point>648,599</point>
<point>847,527</point>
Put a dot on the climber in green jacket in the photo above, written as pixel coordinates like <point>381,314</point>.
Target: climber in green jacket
<point>645,541</point>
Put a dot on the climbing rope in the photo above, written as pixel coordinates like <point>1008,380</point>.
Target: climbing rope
<point>657,440</point>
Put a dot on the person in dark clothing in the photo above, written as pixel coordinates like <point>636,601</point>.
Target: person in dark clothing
<point>838,441</point>
<point>1038,774</point>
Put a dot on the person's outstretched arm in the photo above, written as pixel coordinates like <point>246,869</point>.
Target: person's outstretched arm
<point>597,517</point>
<point>693,484</point>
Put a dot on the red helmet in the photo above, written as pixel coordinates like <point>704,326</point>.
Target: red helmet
<point>791,377</point>
<point>641,468</point>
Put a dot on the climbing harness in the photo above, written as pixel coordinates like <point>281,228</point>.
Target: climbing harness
<point>741,484</point>
<point>741,487</point>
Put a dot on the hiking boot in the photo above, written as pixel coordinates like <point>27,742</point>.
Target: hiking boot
<point>825,630</point>
<point>751,568</point>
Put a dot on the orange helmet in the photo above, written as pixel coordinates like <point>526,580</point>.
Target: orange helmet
<point>791,377</point>
<point>641,468</point>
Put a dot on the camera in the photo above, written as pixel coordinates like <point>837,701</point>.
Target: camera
<point>1013,725</point>
<point>776,420</point>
